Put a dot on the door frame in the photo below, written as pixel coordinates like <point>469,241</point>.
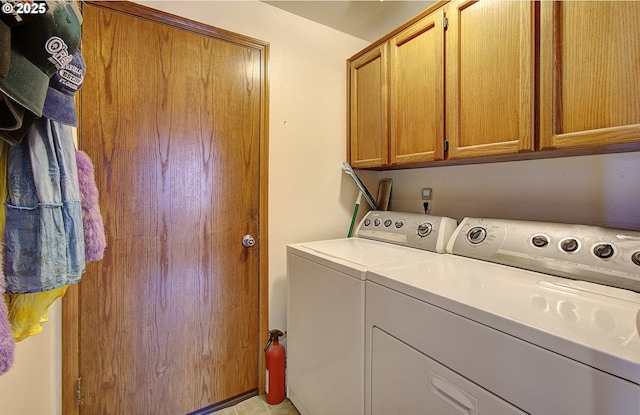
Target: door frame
<point>71,389</point>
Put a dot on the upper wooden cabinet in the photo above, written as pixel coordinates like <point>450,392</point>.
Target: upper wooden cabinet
<point>396,105</point>
<point>589,73</point>
<point>490,77</point>
<point>505,79</point>
<point>417,92</point>
<point>368,110</point>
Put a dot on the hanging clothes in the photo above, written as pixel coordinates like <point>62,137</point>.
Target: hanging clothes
<point>7,342</point>
<point>28,312</point>
<point>94,238</point>
<point>44,238</point>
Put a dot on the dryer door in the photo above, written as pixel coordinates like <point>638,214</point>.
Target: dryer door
<point>405,381</point>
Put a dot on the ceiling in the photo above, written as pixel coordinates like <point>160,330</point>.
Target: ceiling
<point>368,20</point>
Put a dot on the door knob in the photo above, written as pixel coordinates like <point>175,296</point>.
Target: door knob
<point>248,241</point>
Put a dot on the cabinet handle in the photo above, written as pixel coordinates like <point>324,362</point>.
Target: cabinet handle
<point>452,395</point>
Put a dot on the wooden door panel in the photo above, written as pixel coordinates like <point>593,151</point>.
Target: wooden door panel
<point>368,106</point>
<point>589,66</point>
<point>417,92</point>
<point>169,319</point>
<point>490,78</point>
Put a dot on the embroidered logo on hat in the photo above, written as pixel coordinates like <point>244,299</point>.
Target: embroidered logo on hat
<point>59,52</point>
<point>60,104</point>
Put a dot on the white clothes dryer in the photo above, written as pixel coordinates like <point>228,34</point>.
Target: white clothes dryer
<point>493,329</point>
<point>326,305</point>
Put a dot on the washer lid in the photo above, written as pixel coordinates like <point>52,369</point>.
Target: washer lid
<point>587,322</point>
<point>356,253</point>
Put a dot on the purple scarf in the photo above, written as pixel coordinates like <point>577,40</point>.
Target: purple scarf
<point>7,343</point>
<point>94,237</point>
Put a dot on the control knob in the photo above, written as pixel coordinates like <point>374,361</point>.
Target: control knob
<point>424,229</point>
<point>540,241</point>
<point>570,245</point>
<point>603,251</point>
<point>636,258</point>
<point>476,235</point>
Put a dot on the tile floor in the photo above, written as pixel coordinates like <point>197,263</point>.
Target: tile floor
<point>258,406</point>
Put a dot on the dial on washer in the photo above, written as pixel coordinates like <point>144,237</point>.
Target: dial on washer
<point>476,235</point>
<point>424,229</point>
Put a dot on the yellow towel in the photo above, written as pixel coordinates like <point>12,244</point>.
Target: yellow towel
<point>27,312</point>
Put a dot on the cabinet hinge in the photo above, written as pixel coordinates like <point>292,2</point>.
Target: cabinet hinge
<point>79,391</point>
<point>445,21</point>
<point>446,145</point>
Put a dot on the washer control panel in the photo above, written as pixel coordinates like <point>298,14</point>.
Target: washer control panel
<point>416,230</point>
<point>602,255</point>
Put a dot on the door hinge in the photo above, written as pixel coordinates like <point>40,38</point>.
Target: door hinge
<point>445,21</point>
<point>79,391</point>
<point>446,145</point>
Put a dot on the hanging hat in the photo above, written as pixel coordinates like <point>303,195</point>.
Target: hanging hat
<point>5,49</point>
<point>11,114</point>
<point>25,83</point>
<point>60,103</point>
<point>15,120</point>
<point>50,40</point>
<point>39,48</point>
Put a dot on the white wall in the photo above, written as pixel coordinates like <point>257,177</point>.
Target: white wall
<point>309,196</point>
<point>32,385</point>
<point>599,190</point>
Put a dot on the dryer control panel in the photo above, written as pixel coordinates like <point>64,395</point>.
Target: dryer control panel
<point>415,230</point>
<point>590,253</point>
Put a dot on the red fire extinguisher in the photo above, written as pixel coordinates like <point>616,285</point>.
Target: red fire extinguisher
<point>275,363</point>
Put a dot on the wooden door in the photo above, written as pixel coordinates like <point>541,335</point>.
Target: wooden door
<point>173,116</point>
<point>490,77</point>
<point>368,116</point>
<point>589,73</point>
<point>417,92</point>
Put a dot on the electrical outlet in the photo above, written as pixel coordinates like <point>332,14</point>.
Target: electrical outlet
<point>426,193</point>
<point>426,199</point>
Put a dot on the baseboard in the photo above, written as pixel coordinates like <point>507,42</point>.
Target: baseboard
<point>225,404</point>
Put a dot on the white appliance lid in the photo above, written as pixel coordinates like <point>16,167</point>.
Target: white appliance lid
<point>362,252</point>
<point>587,322</point>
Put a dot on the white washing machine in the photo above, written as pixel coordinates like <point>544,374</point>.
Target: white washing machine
<point>472,334</point>
<point>326,305</point>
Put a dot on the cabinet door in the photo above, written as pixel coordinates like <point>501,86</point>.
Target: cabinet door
<point>589,73</point>
<point>368,110</point>
<point>417,92</point>
<point>490,77</point>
